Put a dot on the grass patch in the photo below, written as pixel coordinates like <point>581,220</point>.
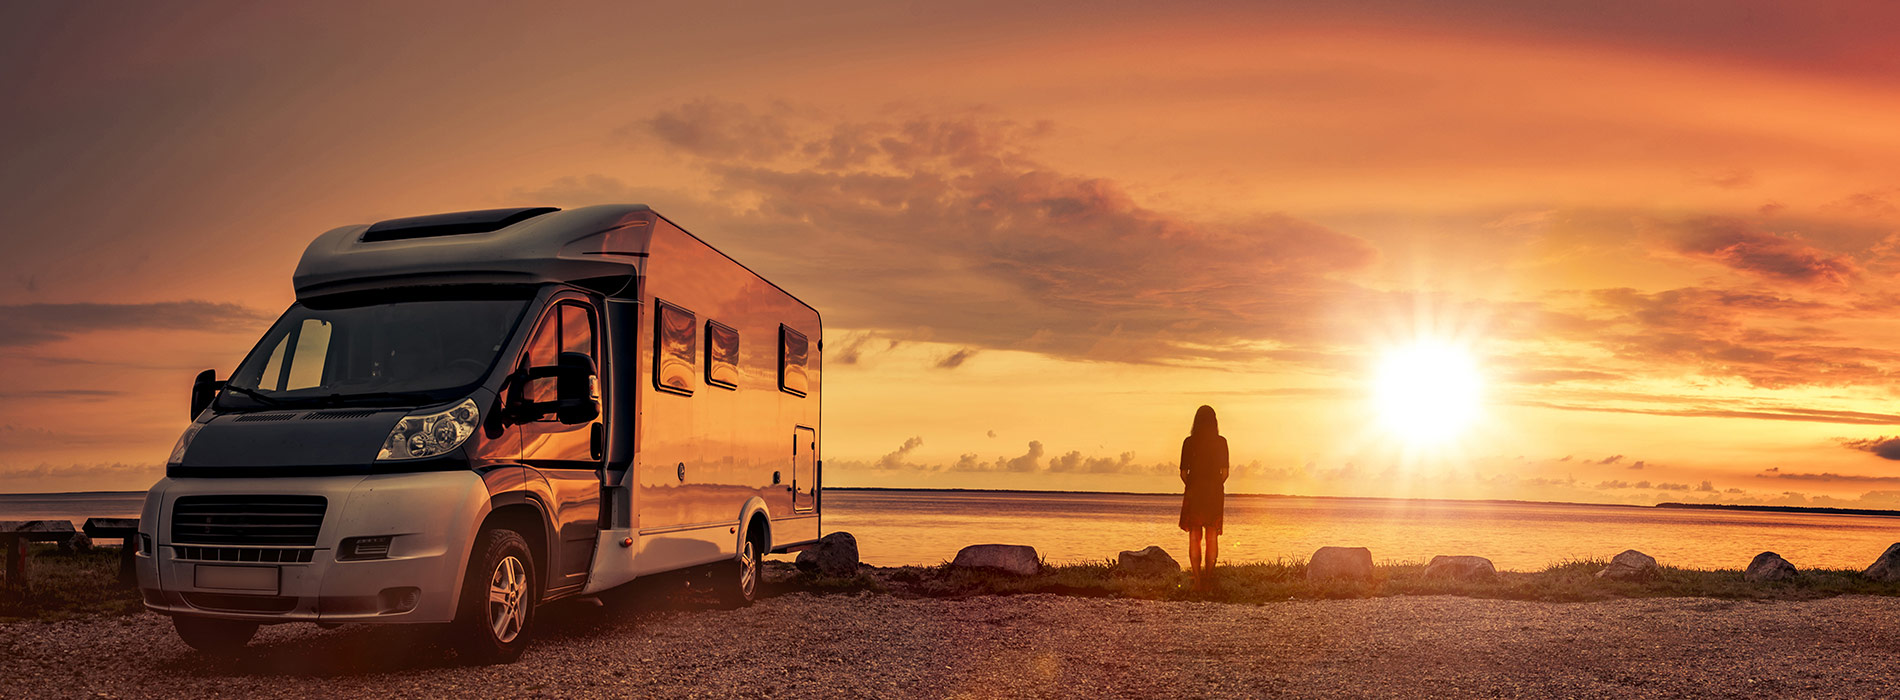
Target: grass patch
<point>68,585</point>
<point>1263,582</point>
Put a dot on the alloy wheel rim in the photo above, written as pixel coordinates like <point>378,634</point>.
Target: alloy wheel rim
<point>748,569</point>
<point>507,599</point>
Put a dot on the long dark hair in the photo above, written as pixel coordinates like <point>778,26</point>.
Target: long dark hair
<point>1204,421</point>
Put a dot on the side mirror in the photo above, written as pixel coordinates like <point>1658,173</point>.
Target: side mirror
<point>576,389</point>
<point>576,400</point>
<point>203,390</point>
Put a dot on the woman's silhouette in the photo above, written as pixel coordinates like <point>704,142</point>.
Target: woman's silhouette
<point>1204,472</point>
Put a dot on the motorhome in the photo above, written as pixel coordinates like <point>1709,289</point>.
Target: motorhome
<point>466,415</point>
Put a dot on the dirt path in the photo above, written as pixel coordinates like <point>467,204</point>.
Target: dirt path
<point>801,645</point>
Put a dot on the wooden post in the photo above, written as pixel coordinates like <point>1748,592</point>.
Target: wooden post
<point>16,559</point>
<point>127,530</point>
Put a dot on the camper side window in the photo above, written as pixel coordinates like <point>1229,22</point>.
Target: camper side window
<point>674,349</point>
<point>792,350</point>
<point>722,355</point>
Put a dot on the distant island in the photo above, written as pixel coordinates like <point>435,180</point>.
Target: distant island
<point>1783,509</point>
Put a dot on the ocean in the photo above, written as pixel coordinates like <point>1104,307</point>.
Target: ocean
<point>901,527</point>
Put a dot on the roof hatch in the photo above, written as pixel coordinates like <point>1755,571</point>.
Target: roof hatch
<point>453,224</point>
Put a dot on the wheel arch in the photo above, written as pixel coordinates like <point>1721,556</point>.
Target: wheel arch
<point>754,515</point>
<point>527,515</point>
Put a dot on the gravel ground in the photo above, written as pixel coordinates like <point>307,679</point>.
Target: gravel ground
<point>867,645</point>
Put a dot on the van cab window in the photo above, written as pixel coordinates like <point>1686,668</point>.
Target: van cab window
<point>570,328</point>
<point>388,353</point>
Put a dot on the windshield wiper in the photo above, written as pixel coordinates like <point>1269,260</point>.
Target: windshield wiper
<point>256,395</point>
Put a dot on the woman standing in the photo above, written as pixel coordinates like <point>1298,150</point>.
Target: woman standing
<point>1204,472</point>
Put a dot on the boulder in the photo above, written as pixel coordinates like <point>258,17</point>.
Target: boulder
<point>835,554</point>
<point>1340,562</point>
<point>1018,559</point>
<point>1769,567</point>
<point>1631,565</point>
<point>79,542</point>
<point>1153,561</point>
<point>1462,568</point>
<point>1887,567</point>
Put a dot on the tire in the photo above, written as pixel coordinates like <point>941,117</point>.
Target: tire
<point>498,599</point>
<point>213,636</point>
<point>739,583</point>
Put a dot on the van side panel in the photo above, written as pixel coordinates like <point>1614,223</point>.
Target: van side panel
<point>704,455</point>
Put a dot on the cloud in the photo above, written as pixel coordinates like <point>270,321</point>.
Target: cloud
<point>956,359</point>
<point>1706,487</point>
<point>1882,447</point>
<point>1782,413</point>
<point>1638,464</point>
<point>1028,462</point>
<point>895,460</point>
<point>955,214</point>
<point>74,394</point>
<point>1783,258</point>
<point>1612,459</point>
<point>1666,486</point>
<point>1830,477</point>
<point>35,324</point>
<point>117,472</point>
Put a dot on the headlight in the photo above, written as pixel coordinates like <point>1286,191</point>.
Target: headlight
<point>184,443</point>
<point>428,435</point>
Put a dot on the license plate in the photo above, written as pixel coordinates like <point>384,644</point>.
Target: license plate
<point>238,578</point>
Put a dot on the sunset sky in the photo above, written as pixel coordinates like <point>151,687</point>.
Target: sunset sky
<point>1040,236</point>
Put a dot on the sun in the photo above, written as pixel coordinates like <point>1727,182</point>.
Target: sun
<point>1428,393</point>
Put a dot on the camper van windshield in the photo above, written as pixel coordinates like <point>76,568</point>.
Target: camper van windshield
<point>406,352</point>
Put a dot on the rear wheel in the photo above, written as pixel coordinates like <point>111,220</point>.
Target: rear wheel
<point>740,584</point>
<point>498,599</point>
<point>213,636</point>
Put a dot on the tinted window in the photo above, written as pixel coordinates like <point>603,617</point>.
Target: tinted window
<point>541,351</point>
<point>673,358</point>
<point>792,350</point>
<point>722,355</point>
<point>397,353</point>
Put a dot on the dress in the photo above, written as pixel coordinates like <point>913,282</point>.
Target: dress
<point>1204,471</point>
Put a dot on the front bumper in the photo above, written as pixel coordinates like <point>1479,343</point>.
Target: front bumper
<point>430,515</point>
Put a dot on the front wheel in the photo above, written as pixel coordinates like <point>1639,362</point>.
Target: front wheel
<point>213,636</point>
<point>740,585</point>
<point>498,599</point>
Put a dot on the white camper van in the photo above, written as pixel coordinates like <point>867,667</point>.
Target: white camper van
<point>466,415</point>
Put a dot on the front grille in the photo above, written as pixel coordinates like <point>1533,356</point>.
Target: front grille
<point>250,521</point>
<point>241,603</point>
<point>260,555</point>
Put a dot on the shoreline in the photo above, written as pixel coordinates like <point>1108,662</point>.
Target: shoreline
<point>1670,505</point>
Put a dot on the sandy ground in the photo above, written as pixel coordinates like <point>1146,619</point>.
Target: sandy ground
<point>861,645</point>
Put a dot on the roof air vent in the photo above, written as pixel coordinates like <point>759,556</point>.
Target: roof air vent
<point>454,224</point>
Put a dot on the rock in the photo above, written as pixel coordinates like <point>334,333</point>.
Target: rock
<point>1769,567</point>
<point>1340,562</point>
<point>1887,567</point>
<point>79,542</point>
<point>1631,565</point>
<point>1018,559</point>
<point>835,554</point>
<point>1153,561</point>
<point>1463,568</point>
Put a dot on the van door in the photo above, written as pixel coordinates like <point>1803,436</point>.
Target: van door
<point>804,480</point>
<point>567,456</point>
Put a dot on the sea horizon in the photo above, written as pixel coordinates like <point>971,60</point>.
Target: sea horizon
<point>1817,510</point>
